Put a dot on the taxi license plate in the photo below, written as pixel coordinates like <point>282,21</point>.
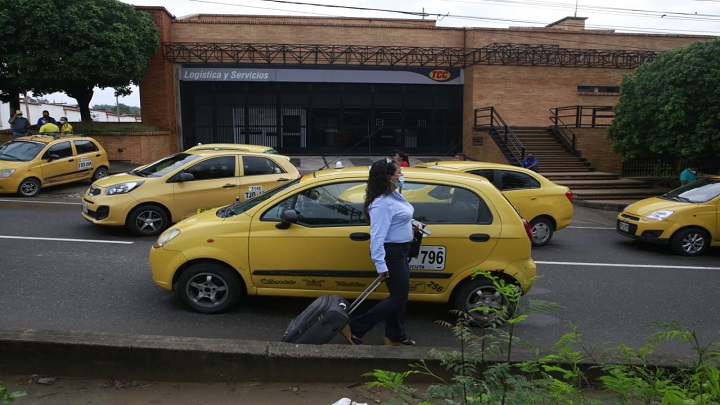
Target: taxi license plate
<point>624,226</point>
<point>85,208</point>
<point>430,258</point>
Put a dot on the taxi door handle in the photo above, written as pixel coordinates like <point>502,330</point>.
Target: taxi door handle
<point>230,185</point>
<point>283,179</point>
<point>360,236</point>
<point>71,160</point>
<point>479,237</point>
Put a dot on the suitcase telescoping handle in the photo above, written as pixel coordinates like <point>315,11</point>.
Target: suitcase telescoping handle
<point>369,290</point>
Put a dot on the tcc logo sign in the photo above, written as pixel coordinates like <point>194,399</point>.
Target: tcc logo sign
<point>440,75</point>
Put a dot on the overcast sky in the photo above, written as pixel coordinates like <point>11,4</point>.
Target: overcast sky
<point>694,17</point>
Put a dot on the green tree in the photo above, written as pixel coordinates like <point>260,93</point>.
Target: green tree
<point>73,46</point>
<point>671,105</point>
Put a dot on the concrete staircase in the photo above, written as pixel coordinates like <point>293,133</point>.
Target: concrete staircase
<point>605,190</point>
<point>552,155</point>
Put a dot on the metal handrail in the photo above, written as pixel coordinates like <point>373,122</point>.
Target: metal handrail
<point>578,113</point>
<point>571,142</point>
<point>493,119</point>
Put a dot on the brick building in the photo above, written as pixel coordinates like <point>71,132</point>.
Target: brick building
<point>359,85</point>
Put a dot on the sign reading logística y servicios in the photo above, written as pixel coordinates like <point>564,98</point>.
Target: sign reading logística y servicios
<point>452,76</point>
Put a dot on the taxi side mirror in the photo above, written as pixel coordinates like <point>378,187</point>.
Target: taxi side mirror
<point>287,218</point>
<point>184,177</point>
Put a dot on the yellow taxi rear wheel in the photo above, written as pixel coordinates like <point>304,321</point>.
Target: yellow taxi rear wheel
<point>484,302</point>
<point>209,287</point>
<point>29,187</point>
<point>100,172</point>
<point>542,231</point>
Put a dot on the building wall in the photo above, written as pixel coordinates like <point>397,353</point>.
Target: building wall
<point>523,95</point>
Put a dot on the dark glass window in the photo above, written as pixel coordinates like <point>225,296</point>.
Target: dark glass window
<point>598,89</point>
<point>254,165</point>
<point>516,180</point>
<point>85,146</point>
<point>62,149</point>
<point>213,168</point>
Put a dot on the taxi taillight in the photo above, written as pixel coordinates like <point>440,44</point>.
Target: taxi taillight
<point>569,195</point>
<point>528,229</point>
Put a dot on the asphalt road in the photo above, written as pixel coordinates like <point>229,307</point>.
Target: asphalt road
<point>60,272</point>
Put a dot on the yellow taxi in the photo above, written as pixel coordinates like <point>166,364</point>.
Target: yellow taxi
<point>546,205</point>
<point>30,163</point>
<point>234,146</point>
<point>151,197</point>
<point>308,237</point>
<point>687,218</point>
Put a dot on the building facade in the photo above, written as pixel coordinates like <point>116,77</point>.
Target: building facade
<point>371,86</point>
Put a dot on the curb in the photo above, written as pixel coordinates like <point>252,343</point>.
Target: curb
<point>93,355</point>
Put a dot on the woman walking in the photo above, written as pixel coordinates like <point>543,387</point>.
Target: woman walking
<point>391,231</point>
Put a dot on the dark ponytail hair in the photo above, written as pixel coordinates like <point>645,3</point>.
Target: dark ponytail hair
<point>378,183</point>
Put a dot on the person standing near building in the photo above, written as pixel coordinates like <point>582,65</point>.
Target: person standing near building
<point>41,120</point>
<point>402,159</point>
<point>391,232</point>
<point>459,156</point>
<point>19,124</point>
<point>530,162</point>
<point>688,175</point>
<point>65,126</point>
<point>48,126</point>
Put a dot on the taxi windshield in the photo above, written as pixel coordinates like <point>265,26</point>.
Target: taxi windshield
<point>165,165</point>
<point>240,207</point>
<point>699,191</point>
<point>20,150</point>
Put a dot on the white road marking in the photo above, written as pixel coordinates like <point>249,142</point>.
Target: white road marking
<point>590,227</point>
<point>40,202</point>
<point>118,242</point>
<point>650,266</point>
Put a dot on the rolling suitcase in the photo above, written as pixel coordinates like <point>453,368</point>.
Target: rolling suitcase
<point>322,320</point>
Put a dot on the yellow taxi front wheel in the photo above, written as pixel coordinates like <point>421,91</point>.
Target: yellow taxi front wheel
<point>691,241</point>
<point>210,288</point>
<point>29,187</point>
<point>147,220</point>
<point>482,300</point>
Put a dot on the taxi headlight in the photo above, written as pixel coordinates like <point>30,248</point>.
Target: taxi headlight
<point>123,188</point>
<point>6,173</point>
<point>166,237</point>
<point>658,215</point>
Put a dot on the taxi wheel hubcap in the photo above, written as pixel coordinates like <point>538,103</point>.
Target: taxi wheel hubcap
<point>542,232</point>
<point>207,289</point>
<point>149,220</point>
<point>693,243</point>
<point>491,301</point>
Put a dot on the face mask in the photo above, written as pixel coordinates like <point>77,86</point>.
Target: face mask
<point>400,182</point>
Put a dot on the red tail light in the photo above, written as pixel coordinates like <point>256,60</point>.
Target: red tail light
<point>569,195</point>
<point>528,229</point>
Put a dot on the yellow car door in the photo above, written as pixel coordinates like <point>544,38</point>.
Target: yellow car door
<point>59,164</point>
<point>208,183</point>
<point>258,175</point>
<point>326,249</point>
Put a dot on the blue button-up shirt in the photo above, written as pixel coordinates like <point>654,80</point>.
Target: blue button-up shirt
<point>390,222</point>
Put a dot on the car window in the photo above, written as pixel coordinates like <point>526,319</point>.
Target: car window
<point>487,173</point>
<point>165,165</point>
<point>61,149</point>
<point>441,204</point>
<point>20,150</point>
<point>214,168</point>
<point>255,165</point>
<point>85,146</point>
<point>699,191</point>
<point>516,180</point>
<point>337,204</point>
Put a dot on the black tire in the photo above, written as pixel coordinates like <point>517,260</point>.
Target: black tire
<point>542,231</point>
<point>690,241</point>
<point>100,172</point>
<point>29,187</point>
<point>210,288</point>
<point>147,220</point>
<point>481,292</point>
